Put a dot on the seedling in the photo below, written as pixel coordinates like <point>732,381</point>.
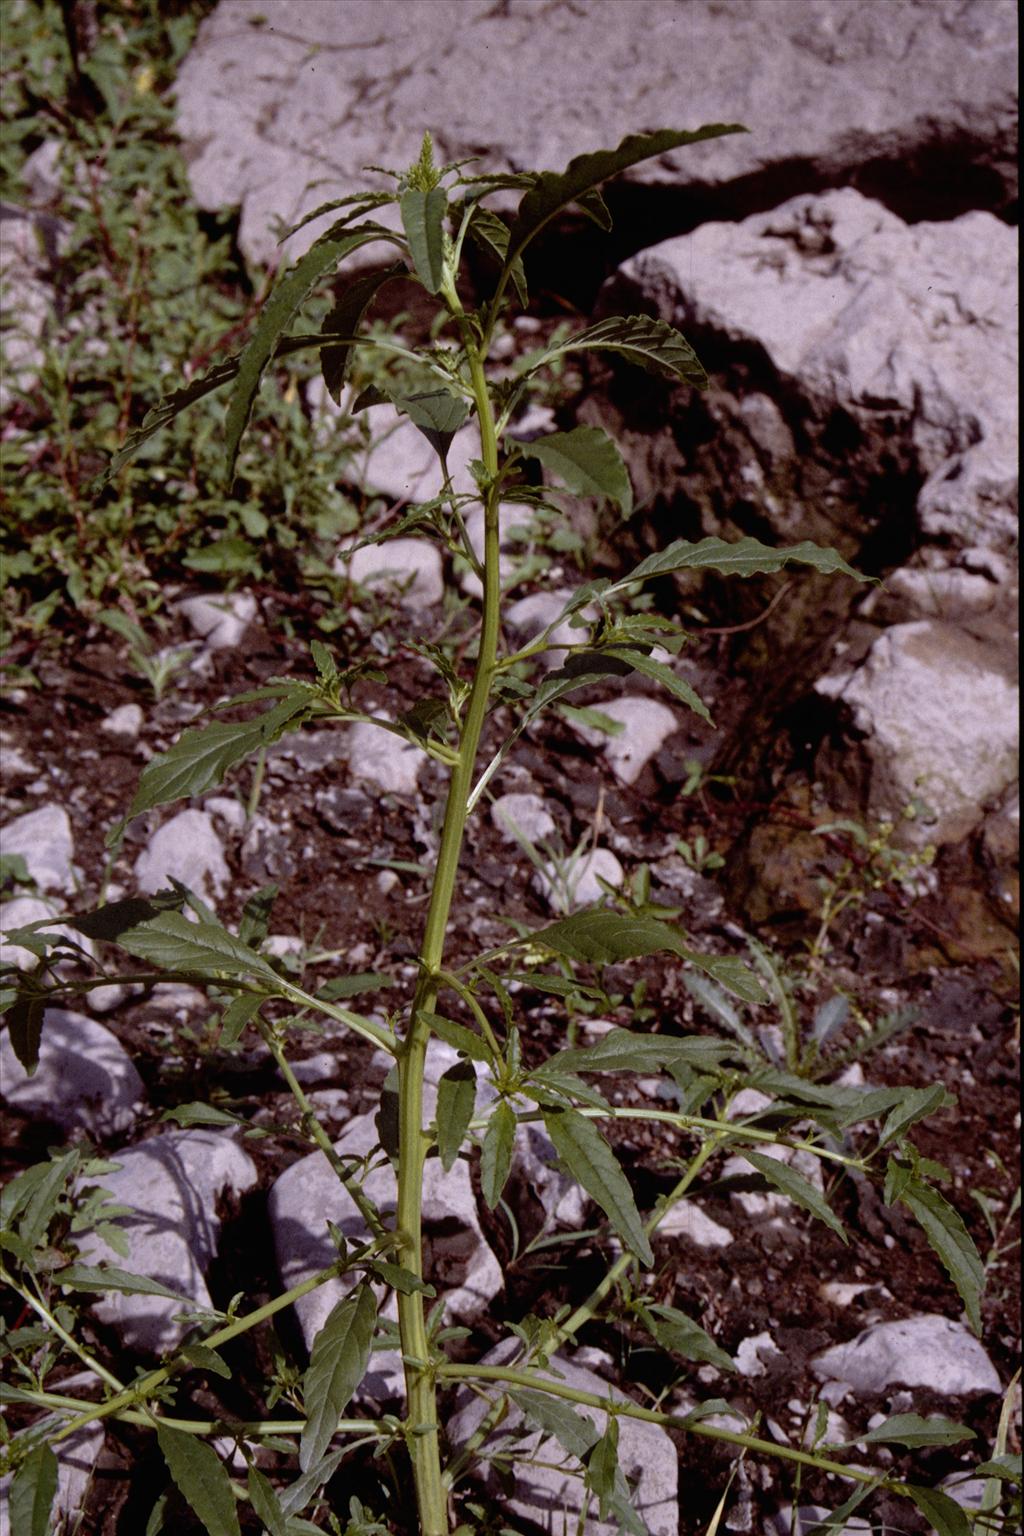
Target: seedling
<point>477,1006</point>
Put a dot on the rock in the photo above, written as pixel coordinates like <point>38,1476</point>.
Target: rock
<point>535,1168</point>
<point>688,1220</point>
<point>85,1080</point>
<point>172,1183</point>
<point>229,810</point>
<point>751,1354</point>
<point>401,464</point>
<point>125,721</point>
<point>409,568</point>
<point>19,913</point>
<point>186,848</point>
<point>526,813</point>
<point>787,1522</point>
<point>28,298</point>
<point>921,98</point>
<point>530,616</point>
<point>16,765</point>
<point>43,839</point>
<point>926,1351</point>
<point>575,880</point>
<point>515,522</point>
<point>546,1487</point>
<point>647,725</point>
<point>940,716</point>
<point>76,1464</point>
<point>383,759</point>
<point>221,621</point>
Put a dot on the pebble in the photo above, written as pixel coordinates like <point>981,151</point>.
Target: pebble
<point>688,1220</point>
<point>570,883</point>
<point>925,1351</point>
<point>43,839</point>
<point>85,1080</point>
<point>647,726</point>
<point>410,567</point>
<point>527,813</point>
<point>383,759</point>
<point>219,621</point>
<point>186,848</point>
<point>126,720</point>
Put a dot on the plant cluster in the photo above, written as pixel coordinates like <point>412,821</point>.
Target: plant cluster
<point>478,1007</point>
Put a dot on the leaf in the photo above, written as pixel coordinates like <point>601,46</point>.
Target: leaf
<point>437,413</point>
<point>603,1464</point>
<point>201,1479</point>
<point>344,319</point>
<point>911,1430</point>
<point>200,758</point>
<point>198,1113</point>
<point>423,221</point>
<point>574,1431</point>
<point>740,557</point>
<point>236,1016</point>
<point>278,311</point>
<point>255,920</point>
<point>914,1105</point>
<point>944,1513</point>
<point>401,1279</point>
<point>266,1504</point>
<point>298,1494</point>
<point>457,1035</point>
<point>950,1239</point>
<point>679,1334</point>
<point>587,461</point>
<point>25,1027</point>
<point>85,1277</point>
<point>337,1364</point>
<point>553,190</point>
<point>490,234</point>
<point>620,1050</point>
<point>456,1101</point>
<point>834,1523</point>
<point>110,921</point>
<point>205,949</point>
<point>496,1152</point>
<point>639,661</point>
<point>32,1493</point>
<point>652,344</point>
<point>714,1002</point>
<point>37,1193</point>
<point>205,1360</point>
<point>592,1164</point>
<point>796,1188</point>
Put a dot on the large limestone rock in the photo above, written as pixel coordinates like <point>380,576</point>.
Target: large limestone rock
<point>916,100</point>
<point>84,1079</point>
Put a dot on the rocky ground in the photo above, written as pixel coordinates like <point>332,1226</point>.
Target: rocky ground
<point>850,289</point>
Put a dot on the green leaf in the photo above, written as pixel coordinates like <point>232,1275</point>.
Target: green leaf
<point>337,1364</point>
<point>236,1016</point>
<point>796,1188</point>
<point>266,1504</point>
<point>37,1193</point>
<point>496,1152</point>
<point>490,234</point>
<point>230,553</point>
<point>603,1464</point>
<point>32,1493</point>
<point>198,1113</point>
<point>201,1479</point>
<point>201,758</point>
<point>639,661</point>
<point>741,557</point>
<point>553,190</point>
<point>651,344</point>
<point>574,1431</point>
<point>423,221</point>
<point>86,1277</point>
<point>592,1163</point>
<point>437,413</point>
<point>254,924</point>
<point>950,1239</point>
<point>911,1430</point>
<point>456,1101</point>
<point>25,1027</point>
<point>587,461</point>
<point>278,311</point>
<point>344,319</point>
<point>620,1050</point>
<point>914,1105</point>
<point>401,1279</point>
<point>679,1334</point>
<point>944,1513</point>
<point>457,1035</point>
<point>205,1360</point>
<point>204,949</point>
<point>110,921</point>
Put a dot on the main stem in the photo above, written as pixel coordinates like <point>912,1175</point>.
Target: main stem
<point>414,1141</point>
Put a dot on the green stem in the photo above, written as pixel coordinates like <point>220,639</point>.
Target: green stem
<point>420,1373</point>
<point>40,1308</point>
<point>242,1429</point>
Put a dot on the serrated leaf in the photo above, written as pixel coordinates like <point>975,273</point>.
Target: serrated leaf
<point>834,1523</point>
<point>914,1105</point>
<point>200,758</point>
<point>458,1036</point>
<point>944,1513</point>
<point>266,1504</point>
<point>423,221</point>
<point>639,661</point>
<point>950,1239</point>
<point>911,1430</point>
<point>496,1152</point>
<point>603,1464</point>
<point>38,1192</point>
<point>358,202</point>
<point>205,1360</point>
<point>490,234</point>
<point>254,923</point>
<point>198,1113</point>
<point>344,319</point>
<point>201,1479</point>
<point>25,1020</point>
<point>338,1361</point>
<point>679,1334</point>
<point>796,1188</point>
<point>552,191</point>
<point>456,1101</point>
<point>739,557</point>
<point>575,1432</point>
<point>593,1164</point>
<point>110,921</point>
<point>652,344</point>
<point>239,1012</point>
<point>587,461</point>
<point>203,949</point>
<point>401,1279</point>
<point>86,1277</point>
<point>278,311</point>
<point>714,1001</point>
<point>620,1050</point>
<point>298,1494</point>
<point>33,1490</point>
<point>437,413</point>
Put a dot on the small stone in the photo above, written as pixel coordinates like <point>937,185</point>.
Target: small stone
<point>688,1220</point>
<point>14,762</point>
<point>647,725</point>
<point>530,616</point>
<point>926,1351</point>
<point>573,882</point>
<point>186,848</point>
<point>43,839</point>
<point>172,1184</point>
<point>76,1464</point>
<point>526,813</point>
<point>751,1354</point>
<point>125,721</point>
<point>230,811</point>
<point>84,1080</point>
<point>383,759</point>
<point>771,1208</point>
<point>411,568</point>
<point>220,622</point>
<point>808,1517</point>
<point>19,913</point>
<point>402,465</point>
